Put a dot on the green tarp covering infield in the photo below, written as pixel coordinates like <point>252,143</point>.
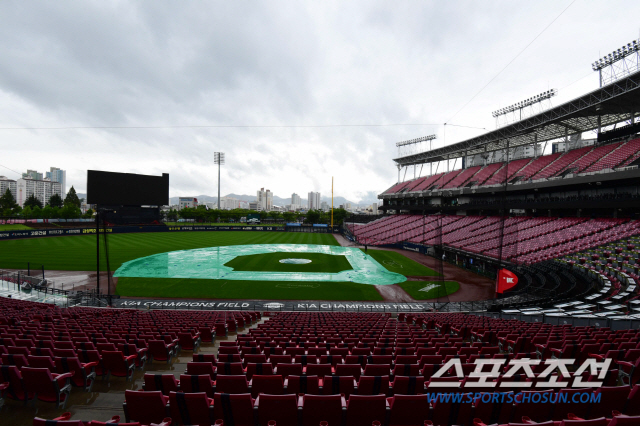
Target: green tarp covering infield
<point>209,263</point>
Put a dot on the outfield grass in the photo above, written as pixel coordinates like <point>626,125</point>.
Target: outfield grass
<point>414,287</point>
<point>78,253</point>
<point>320,262</point>
<point>14,228</point>
<point>263,290</point>
<point>396,262</point>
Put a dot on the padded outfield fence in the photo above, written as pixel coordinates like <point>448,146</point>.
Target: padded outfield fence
<point>37,233</point>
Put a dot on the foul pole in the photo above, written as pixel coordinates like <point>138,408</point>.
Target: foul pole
<point>218,158</point>
<point>331,203</point>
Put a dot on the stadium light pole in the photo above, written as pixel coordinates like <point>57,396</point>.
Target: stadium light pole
<point>519,106</point>
<point>218,158</point>
<point>620,55</point>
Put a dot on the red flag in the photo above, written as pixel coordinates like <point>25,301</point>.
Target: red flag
<point>506,280</point>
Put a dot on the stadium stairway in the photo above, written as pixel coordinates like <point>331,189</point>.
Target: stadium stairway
<point>30,320</point>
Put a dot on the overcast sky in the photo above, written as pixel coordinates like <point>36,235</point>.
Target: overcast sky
<point>278,63</point>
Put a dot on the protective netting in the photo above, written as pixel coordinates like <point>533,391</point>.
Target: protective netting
<point>209,263</point>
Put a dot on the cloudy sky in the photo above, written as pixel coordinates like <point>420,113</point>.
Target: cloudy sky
<point>159,86</point>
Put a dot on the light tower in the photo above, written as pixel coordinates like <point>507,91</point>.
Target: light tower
<point>218,158</point>
<point>618,63</point>
<point>519,106</point>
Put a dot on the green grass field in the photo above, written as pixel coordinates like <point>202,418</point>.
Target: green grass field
<point>414,289</point>
<point>264,290</point>
<point>320,262</point>
<point>78,253</point>
<point>14,228</point>
<point>396,262</point>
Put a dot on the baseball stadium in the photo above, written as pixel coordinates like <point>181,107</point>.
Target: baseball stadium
<point>497,285</point>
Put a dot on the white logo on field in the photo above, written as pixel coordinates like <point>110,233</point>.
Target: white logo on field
<point>295,261</point>
<point>273,305</point>
<point>429,287</point>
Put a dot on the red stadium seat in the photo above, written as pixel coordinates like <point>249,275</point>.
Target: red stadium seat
<point>48,387</point>
<point>408,410</point>
<point>197,383</point>
<point>191,408</point>
<point>318,408</point>
<point>363,410</point>
<point>269,384</point>
<point>145,407</point>
<point>234,409</point>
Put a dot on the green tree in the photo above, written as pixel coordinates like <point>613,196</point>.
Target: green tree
<point>55,201</point>
<point>32,202</point>
<point>313,216</point>
<point>26,212</point>
<point>88,214</point>
<point>172,215</point>
<point>7,201</point>
<point>339,215</point>
<point>47,212</point>
<point>72,198</point>
<point>70,212</point>
<point>275,215</point>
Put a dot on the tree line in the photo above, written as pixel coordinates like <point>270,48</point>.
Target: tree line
<point>69,208</point>
<point>202,214</point>
<point>55,207</point>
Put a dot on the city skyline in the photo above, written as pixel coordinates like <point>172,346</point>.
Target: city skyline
<point>34,183</point>
<point>245,201</point>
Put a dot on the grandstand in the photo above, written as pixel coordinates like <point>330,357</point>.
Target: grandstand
<point>533,214</point>
<point>184,368</point>
<point>585,160</point>
<point>564,221</point>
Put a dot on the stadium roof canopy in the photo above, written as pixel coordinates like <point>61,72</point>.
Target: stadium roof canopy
<point>608,105</point>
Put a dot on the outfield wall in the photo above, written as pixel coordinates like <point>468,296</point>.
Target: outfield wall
<point>14,235</point>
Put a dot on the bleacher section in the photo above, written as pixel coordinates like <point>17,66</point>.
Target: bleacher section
<point>462,178</point>
<point>47,352</point>
<point>427,182</point>
<point>582,160</point>
<point>506,173</point>
<point>347,369</point>
<point>536,166</point>
<point>622,156</point>
<point>523,240</point>
<point>594,156</point>
<point>615,266</point>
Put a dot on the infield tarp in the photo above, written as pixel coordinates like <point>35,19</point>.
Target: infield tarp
<point>209,263</point>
